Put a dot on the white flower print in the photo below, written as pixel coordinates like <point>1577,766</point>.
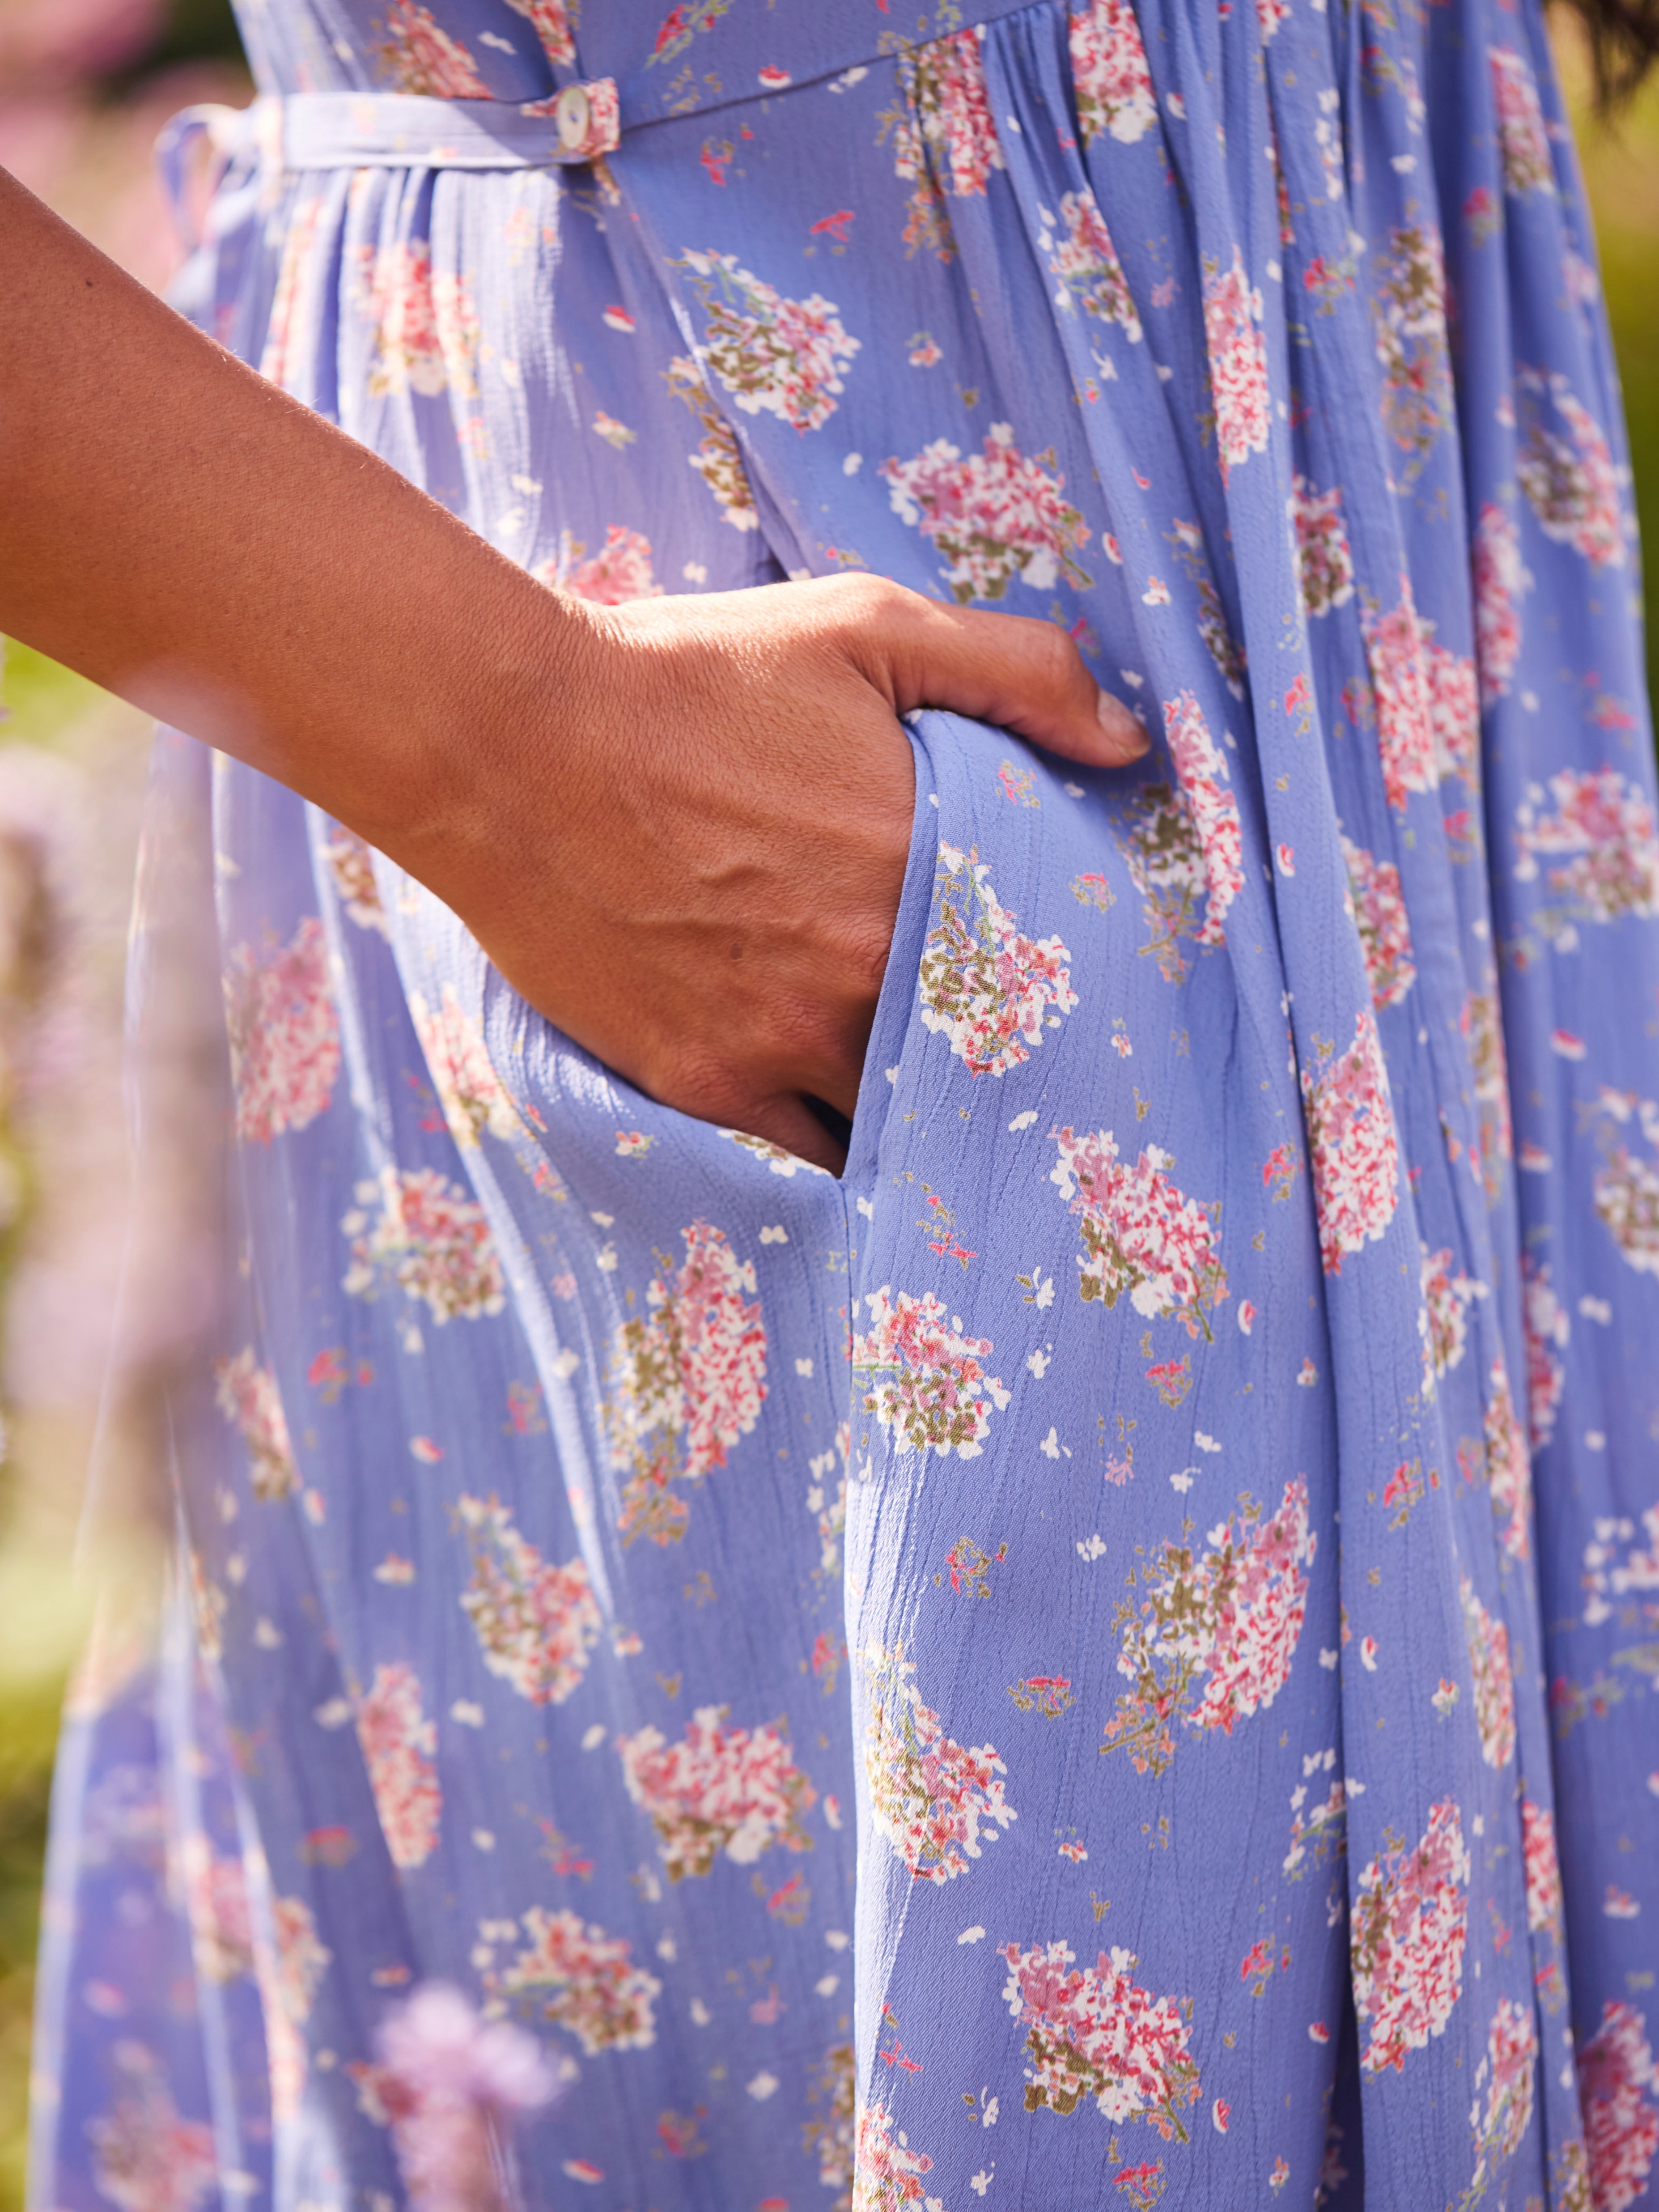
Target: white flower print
<point>996,515</point>
<point>431,1239</point>
<point>1086,262</point>
<point>247,1395</point>
<point>537,1624</point>
<point>1410,1927</point>
<point>397,1742</point>
<point>459,1062</point>
<point>285,1034</point>
<point>1521,133</point>
<point>1093,2032</point>
<point>1596,833</point>
<point>985,985</point>
<point>1114,86</point>
<point>1569,483</point>
<point>922,1378</point>
<point>1212,1638</point>
<point>688,1380</point>
<point>426,328</point>
<point>586,1981</point>
<point>1501,579</point>
<point>1238,362</point>
<point>1141,1232</point>
<point>775,356</point>
<point>1494,1690</point>
<point>719,1790</point>
<point>936,1802</point>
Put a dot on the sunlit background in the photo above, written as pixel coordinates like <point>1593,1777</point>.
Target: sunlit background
<point>84,87</point>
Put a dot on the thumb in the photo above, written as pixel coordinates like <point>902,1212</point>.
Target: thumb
<point>1025,675</point>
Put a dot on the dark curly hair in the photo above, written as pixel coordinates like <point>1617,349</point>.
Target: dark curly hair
<point>1624,41</point>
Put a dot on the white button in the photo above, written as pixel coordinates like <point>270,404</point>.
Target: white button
<point>573,116</point>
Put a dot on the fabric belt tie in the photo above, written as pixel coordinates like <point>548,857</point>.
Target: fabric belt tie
<point>582,122</point>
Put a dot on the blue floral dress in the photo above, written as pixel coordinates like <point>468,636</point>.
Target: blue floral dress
<point>1179,1520</point>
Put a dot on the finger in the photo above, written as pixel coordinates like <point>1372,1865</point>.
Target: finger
<point>1027,676</point>
<point>787,1120</point>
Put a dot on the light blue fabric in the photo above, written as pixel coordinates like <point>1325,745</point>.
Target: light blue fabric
<point>1252,1196</point>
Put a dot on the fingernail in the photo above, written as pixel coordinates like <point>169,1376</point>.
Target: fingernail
<point>1123,728</point>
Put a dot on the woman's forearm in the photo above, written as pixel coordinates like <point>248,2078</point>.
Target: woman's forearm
<point>188,536</point>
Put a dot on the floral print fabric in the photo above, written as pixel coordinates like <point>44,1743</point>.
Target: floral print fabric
<point>1108,1656</point>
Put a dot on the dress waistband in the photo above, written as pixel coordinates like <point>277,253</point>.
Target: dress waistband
<point>580,122</point>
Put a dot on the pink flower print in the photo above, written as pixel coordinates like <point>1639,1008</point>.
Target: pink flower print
<point>1140,1233</point>
<point>886,2172</point>
<point>216,1905</point>
<point>984,985</point>
<point>144,2157</point>
<point>832,2138</point>
<point>1169,868</point>
<point>1380,916</point>
<point>537,1624</point>
<point>1494,1691</point>
<point>1509,1465</point>
<point>1521,133</point>
<point>584,1980</point>
<point>1397,645</point>
<point>688,1380</point>
<point>1269,15</point>
<point>1410,1925</point>
<point>397,1745</point>
<point>1446,1297</point>
<point>995,516</point>
<point>1092,2032</point>
<point>1353,1145</point>
<point>351,866</point>
<point>945,85</point>
<point>1481,1022</point>
<point>1203,771</point>
<point>717,460</point>
<point>1625,1189</point>
<point>1607,1576</point>
<point>291,330</point>
<point>1511,2075</point>
<point>301,1959</point>
<point>924,1378</point>
<point>1569,483</point>
<point>1543,1868</point>
<point>431,1239</point>
<point>1212,1640</point>
<point>285,1034</point>
<point>735,1790</point>
<point>1409,321</point>
<point>248,1397</point>
<point>469,1090</point>
<point>1113,85</point>
<point>1617,2085</point>
<point>1500,579</point>
<point>1594,830</point>
<point>550,20</point>
<point>1324,563</point>
<point>1454,710</point>
<point>419,55</point>
<point>1238,362</point>
<point>1548,1330</point>
<point>1142,2184</point>
<point>936,1800</point>
<point>426,328</point>
<point>1085,260</point>
<point>775,356</point>
<point>618,572</point>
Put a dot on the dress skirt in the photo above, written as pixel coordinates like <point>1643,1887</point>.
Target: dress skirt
<point>1106,1657</point>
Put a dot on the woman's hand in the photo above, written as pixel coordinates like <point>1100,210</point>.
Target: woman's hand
<point>699,880</point>
<point>679,828</point>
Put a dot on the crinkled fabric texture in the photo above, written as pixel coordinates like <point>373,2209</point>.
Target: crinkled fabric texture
<point>1180,1518</point>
